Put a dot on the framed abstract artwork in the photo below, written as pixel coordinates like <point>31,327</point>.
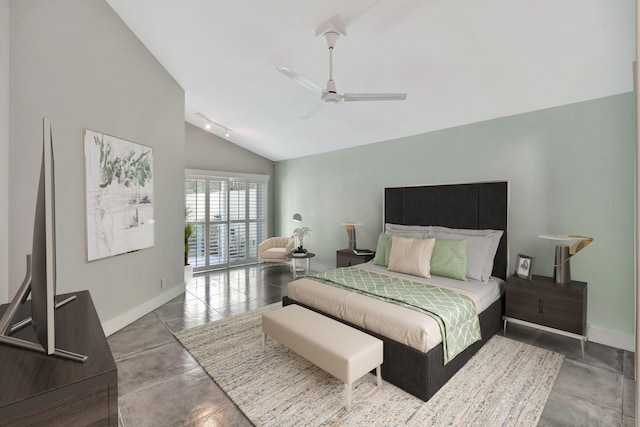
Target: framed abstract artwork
<point>119,195</point>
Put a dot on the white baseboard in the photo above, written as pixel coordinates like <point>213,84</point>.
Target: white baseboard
<point>130,316</point>
<point>612,338</point>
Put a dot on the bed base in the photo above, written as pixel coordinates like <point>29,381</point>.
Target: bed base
<point>423,374</point>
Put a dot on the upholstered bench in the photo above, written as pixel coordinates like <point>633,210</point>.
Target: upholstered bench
<point>342,351</point>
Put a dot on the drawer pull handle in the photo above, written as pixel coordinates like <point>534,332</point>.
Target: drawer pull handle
<point>540,306</point>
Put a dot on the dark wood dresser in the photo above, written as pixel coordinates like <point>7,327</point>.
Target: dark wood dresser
<point>543,304</point>
<point>45,390</point>
<point>347,258</point>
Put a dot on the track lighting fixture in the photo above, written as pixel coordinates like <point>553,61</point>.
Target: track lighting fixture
<point>209,122</point>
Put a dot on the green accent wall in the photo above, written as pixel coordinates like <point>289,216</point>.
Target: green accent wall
<point>571,171</point>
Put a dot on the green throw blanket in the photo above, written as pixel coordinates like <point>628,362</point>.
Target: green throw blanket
<point>454,312</point>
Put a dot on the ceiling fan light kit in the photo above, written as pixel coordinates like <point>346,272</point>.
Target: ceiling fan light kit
<point>331,32</point>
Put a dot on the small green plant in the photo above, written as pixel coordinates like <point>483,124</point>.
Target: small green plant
<point>188,231</point>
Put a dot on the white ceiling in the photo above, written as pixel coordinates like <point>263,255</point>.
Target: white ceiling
<point>460,61</point>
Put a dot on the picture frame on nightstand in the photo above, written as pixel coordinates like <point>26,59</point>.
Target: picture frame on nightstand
<point>524,266</point>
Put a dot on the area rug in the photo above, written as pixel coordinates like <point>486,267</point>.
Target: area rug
<point>506,383</point>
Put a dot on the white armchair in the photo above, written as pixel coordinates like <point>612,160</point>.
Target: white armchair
<point>275,249</point>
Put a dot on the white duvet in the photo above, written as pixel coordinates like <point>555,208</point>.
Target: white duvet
<point>401,324</point>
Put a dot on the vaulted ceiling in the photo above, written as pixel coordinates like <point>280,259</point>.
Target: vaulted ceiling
<point>460,62</point>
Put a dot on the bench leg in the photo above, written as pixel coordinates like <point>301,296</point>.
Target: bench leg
<point>264,341</point>
<point>378,376</point>
<point>347,395</point>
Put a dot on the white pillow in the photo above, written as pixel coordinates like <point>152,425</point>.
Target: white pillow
<point>482,246</point>
<point>417,231</point>
<point>411,256</point>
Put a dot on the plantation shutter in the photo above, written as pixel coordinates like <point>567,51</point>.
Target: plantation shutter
<point>229,218</point>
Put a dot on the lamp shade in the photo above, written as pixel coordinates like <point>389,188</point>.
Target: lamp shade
<point>579,242</point>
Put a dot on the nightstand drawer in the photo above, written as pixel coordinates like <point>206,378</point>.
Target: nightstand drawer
<point>346,258</point>
<point>543,302</point>
<point>569,322</point>
<point>565,302</point>
<point>525,304</point>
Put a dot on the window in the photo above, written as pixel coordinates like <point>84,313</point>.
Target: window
<point>228,214</point>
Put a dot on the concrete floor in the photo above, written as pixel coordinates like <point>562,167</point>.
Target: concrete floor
<point>160,384</point>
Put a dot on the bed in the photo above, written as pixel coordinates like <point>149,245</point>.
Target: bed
<point>411,362</point>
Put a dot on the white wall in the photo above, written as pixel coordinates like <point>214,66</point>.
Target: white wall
<point>76,62</point>
<point>4,150</point>
<point>571,170</point>
<point>206,151</point>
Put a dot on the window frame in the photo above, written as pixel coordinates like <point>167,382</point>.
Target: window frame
<point>250,250</point>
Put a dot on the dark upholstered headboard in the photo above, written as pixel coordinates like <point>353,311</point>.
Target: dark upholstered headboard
<point>475,206</point>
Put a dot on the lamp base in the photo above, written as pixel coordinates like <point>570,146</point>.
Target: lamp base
<point>351,232</point>
<point>562,269</point>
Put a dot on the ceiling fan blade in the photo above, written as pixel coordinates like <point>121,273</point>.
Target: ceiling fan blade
<point>349,97</point>
<point>308,84</point>
<point>314,111</point>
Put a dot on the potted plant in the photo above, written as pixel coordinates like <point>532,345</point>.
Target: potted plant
<point>299,234</point>
<point>188,231</point>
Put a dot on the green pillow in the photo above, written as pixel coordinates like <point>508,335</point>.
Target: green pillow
<point>449,259</point>
<point>383,250</point>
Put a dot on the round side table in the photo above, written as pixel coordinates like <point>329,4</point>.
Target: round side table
<point>293,259</point>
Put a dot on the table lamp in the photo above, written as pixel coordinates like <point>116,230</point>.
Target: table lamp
<point>351,233</point>
<point>561,266</point>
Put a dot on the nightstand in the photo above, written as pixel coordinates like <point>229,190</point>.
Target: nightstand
<point>541,303</point>
<point>346,258</point>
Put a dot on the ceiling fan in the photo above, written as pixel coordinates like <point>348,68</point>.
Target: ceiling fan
<point>330,95</point>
